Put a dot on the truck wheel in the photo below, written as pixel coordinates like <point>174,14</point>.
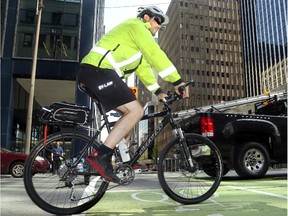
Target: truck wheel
<point>251,160</point>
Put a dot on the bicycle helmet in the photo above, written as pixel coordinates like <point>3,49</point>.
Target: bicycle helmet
<point>153,11</point>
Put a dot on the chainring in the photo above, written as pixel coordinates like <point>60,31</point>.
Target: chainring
<point>125,172</point>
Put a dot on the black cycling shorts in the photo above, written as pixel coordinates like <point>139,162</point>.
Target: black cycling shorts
<point>106,84</point>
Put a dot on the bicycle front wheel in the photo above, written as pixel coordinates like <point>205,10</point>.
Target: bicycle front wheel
<point>68,188</point>
<point>186,185</point>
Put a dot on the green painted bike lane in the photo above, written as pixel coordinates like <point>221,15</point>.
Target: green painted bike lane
<point>265,197</point>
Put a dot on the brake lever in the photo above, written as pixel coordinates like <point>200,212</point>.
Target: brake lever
<point>171,97</point>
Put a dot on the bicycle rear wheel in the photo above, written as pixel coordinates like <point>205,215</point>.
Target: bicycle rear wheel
<point>190,187</point>
<point>74,188</point>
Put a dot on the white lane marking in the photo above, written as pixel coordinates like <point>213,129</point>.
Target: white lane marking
<point>260,192</point>
<point>215,215</point>
<point>163,198</point>
<point>180,207</point>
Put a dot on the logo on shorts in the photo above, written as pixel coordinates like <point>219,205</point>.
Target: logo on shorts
<point>105,85</point>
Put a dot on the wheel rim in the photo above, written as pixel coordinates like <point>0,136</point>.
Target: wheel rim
<point>254,160</point>
<point>184,185</point>
<point>72,189</point>
<point>18,170</point>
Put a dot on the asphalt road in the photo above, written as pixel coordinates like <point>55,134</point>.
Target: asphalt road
<point>234,197</point>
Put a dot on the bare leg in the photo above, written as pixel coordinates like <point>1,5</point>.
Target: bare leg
<point>128,138</point>
<point>131,114</point>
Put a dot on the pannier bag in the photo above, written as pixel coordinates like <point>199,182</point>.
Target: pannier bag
<point>65,113</point>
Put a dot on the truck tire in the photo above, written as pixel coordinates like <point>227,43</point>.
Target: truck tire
<point>251,160</point>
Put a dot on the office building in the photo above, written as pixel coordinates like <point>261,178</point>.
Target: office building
<point>203,41</point>
<point>67,32</point>
<point>264,33</point>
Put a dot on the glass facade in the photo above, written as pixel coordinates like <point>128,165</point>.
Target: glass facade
<point>270,21</point>
<point>20,105</point>
<point>66,35</point>
<point>59,34</point>
<point>3,17</point>
<point>264,33</point>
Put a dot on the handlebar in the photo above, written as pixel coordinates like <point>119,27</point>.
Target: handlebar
<point>174,96</point>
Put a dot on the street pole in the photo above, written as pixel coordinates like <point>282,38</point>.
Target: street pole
<point>33,75</point>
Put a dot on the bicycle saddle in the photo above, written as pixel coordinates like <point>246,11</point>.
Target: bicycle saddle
<point>82,87</point>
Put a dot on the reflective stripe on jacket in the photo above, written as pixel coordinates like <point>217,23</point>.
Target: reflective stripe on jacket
<point>131,46</point>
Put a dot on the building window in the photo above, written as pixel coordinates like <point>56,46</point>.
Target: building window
<point>59,31</point>
<point>27,40</point>
<point>56,18</point>
<point>27,16</point>
<point>71,20</point>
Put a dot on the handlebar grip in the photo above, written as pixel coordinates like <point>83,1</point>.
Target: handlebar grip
<point>173,96</point>
<point>182,88</point>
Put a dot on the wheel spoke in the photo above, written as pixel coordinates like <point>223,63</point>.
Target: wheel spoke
<point>186,186</point>
<point>74,188</point>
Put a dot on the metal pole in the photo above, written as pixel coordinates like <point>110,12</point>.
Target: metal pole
<point>33,75</point>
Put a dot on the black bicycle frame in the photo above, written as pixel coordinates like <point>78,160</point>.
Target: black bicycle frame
<point>149,141</point>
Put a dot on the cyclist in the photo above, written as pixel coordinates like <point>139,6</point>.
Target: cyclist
<point>129,47</point>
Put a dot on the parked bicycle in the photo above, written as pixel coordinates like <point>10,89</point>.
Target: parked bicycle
<point>189,167</point>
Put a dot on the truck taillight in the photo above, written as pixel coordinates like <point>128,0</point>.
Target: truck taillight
<point>207,127</point>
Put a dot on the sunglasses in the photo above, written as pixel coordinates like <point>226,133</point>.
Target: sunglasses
<point>157,20</point>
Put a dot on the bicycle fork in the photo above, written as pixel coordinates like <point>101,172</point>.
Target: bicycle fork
<point>185,150</point>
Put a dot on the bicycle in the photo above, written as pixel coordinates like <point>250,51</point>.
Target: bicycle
<point>193,177</point>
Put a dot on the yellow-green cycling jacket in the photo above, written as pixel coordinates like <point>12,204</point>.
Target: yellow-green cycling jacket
<point>131,47</point>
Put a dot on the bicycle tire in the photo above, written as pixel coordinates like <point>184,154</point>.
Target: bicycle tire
<point>188,187</point>
<point>70,191</point>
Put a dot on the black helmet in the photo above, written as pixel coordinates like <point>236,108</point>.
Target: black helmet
<point>153,11</point>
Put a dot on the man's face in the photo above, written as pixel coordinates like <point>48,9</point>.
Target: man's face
<point>155,23</point>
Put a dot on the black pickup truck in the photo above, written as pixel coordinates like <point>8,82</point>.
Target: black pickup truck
<point>249,143</point>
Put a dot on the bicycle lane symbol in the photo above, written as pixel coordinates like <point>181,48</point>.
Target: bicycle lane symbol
<point>181,208</point>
